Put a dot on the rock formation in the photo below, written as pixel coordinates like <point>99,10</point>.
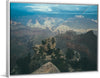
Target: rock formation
<point>47,68</point>
<point>47,48</point>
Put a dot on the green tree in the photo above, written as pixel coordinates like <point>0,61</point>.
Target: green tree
<point>53,40</point>
<point>43,42</point>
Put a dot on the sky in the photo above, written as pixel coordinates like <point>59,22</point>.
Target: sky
<point>54,8</point>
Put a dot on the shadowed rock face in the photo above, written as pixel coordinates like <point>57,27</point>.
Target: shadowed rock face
<point>47,68</point>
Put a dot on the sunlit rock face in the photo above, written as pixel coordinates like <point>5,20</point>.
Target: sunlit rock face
<point>47,68</point>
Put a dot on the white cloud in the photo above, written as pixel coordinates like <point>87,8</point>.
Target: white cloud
<point>94,20</point>
<point>77,8</point>
<point>79,16</point>
<point>57,8</point>
<point>40,8</point>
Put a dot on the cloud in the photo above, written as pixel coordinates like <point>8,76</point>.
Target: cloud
<point>77,8</point>
<point>94,20</point>
<point>79,16</point>
<point>40,8</point>
<point>58,8</point>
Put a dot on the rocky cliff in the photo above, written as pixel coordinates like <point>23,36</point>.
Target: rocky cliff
<point>47,68</point>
